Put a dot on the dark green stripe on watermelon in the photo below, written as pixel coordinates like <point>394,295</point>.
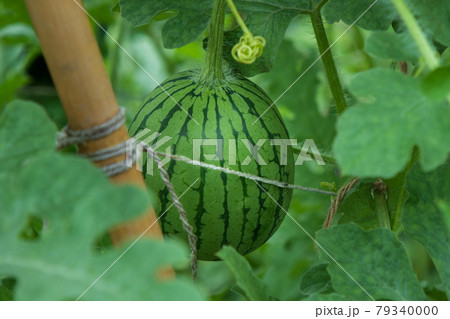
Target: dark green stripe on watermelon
<point>223,209</point>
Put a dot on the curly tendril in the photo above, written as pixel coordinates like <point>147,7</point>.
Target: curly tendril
<point>249,47</point>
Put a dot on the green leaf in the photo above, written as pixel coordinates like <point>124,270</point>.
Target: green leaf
<point>268,19</point>
<point>215,277</point>
<point>63,259</point>
<point>253,287</point>
<point>376,137</point>
<point>379,17</point>
<point>69,194</point>
<point>25,131</point>
<point>375,259</point>
<point>18,33</point>
<point>191,21</point>
<point>436,84</point>
<point>392,46</point>
<point>423,220</point>
<point>434,16</point>
<point>18,48</point>
<point>315,280</point>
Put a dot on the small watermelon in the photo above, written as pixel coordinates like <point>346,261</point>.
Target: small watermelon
<point>207,105</point>
<point>224,209</point>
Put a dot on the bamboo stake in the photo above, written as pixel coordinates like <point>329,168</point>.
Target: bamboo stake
<point>77,69</point>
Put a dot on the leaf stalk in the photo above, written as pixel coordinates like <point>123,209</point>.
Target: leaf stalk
<point>379,189</point>
<point>417,34</point>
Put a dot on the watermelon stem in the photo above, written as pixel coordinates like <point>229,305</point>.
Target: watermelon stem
<point>379,192</point>
<point>213,71</point>
<point>328,61</point>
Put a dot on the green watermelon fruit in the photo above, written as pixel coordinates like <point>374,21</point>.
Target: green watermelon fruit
<point>223,209</point>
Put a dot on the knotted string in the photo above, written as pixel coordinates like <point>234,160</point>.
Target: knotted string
<point>68,136</point>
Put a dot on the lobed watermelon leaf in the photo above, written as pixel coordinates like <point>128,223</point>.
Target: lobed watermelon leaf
<point>17,145</point>
<point>376,137</point>
<point>269,19</point>
<point>191,21</point>
<point>378,17</point>
<point>68,193</point>
<point>375,259</point>
<point>424,221</point>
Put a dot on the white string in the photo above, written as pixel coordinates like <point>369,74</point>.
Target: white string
<point>110,152</point>
<point>238,173</point>
<point>192,238</point>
